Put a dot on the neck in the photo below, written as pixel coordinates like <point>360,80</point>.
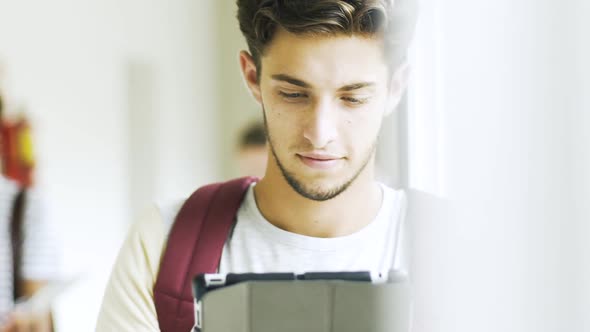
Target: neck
<point>342,215</point>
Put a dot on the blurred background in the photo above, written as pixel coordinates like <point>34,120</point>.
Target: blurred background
<point>131,102</point>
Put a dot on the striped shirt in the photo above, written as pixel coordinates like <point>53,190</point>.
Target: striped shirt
<point>38,251</point>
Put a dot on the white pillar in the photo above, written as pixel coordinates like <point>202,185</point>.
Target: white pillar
<point>508,258</point>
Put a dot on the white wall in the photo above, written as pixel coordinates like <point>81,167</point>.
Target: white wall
<point>507,258</point>
<point>71,62</point>
<point>580,160</point>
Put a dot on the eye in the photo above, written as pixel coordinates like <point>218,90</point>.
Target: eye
<point>292,95</point>
<point>355,101</point>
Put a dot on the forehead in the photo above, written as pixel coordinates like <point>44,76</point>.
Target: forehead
<point>325,60</point>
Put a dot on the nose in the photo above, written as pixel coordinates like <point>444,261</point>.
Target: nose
<point>320,128</point>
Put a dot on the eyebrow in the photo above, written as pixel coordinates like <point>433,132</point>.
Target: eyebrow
<point>290,80</point>
<point>303,84</point>
<point>356,86</point>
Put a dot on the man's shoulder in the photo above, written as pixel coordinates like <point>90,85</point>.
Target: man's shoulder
<point>152,226</point>
<point>167,211</point>
<point>394,194</point>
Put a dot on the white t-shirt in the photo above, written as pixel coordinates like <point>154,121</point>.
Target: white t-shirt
<point>255,245</point>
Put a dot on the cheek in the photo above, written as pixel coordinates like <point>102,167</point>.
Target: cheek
<point>278,122</point>
<point>361,132</point>
<point>282,123</point>
<point>282,130</point>
<point>363,118</point>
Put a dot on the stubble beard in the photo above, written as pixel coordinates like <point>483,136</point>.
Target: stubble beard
<point>310,192</point>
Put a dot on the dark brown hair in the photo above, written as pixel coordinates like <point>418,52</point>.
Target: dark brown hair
<point>259,20</point>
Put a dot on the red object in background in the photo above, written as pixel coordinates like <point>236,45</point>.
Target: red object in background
<point>17,156</point>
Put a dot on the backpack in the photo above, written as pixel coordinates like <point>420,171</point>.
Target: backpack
<point>194,246</point>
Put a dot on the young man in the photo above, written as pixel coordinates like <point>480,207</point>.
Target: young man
<point>325,73</point>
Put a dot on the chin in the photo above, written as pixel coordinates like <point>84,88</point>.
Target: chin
<point>318,188</point>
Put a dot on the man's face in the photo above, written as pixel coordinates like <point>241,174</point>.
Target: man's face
<point>324,98</point>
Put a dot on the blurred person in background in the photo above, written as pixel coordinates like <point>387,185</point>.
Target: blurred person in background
<point>252,154</point>
<point>27,256</point>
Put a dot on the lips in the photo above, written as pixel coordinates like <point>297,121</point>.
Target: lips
<point>319,156</point>
<point>320,161</point>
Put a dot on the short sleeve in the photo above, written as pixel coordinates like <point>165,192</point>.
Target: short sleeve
<point>128,303</point>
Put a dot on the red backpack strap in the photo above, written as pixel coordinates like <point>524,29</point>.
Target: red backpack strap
<point>195,245</point>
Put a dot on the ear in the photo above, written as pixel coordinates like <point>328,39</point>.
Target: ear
<point>250,74</point>
<point>397,87</point>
